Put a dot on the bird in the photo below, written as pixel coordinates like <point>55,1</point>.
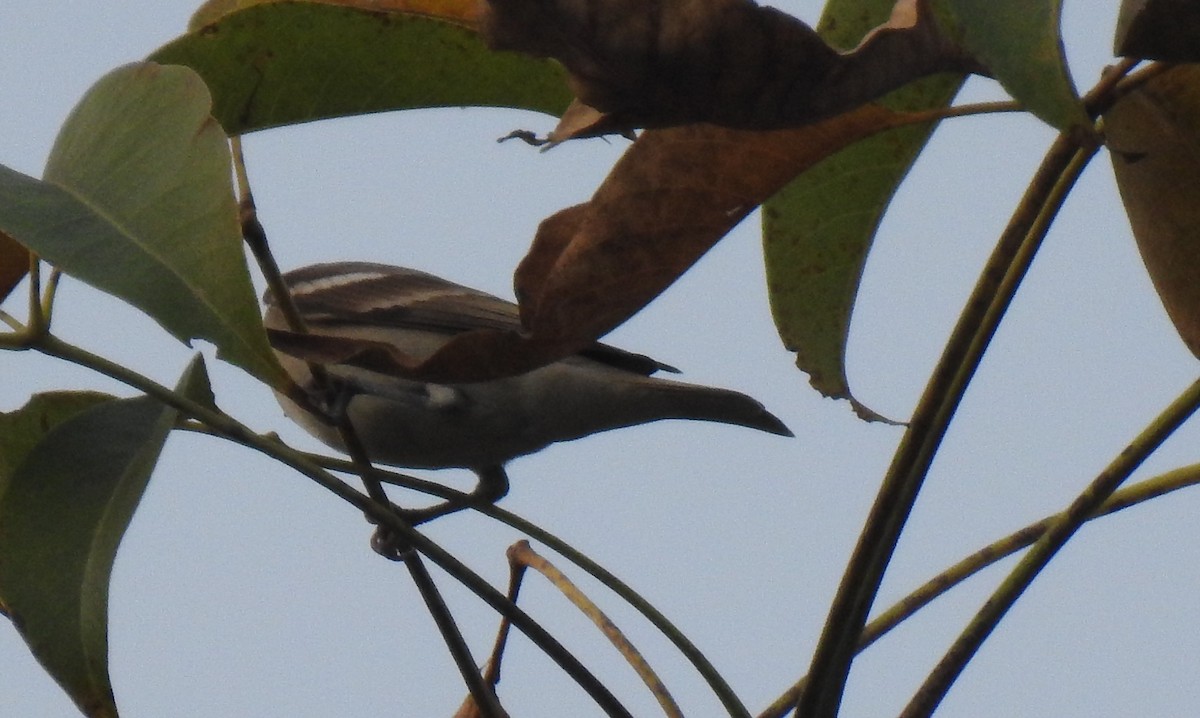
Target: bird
<point>481,426</point>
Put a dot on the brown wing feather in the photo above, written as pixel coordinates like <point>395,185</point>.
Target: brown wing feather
<point>365,293</point>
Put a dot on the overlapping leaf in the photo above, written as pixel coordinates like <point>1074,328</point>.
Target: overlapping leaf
<point>137,201</point>
<point>463,12</point>
<point>1021,44</point>
<point>1159,30</point>
<point>673,195</point>
<point>62,517</point>
<point>659,63</point>
<point>14,264</point>
<point>22,429</point>
<point>818,230</point>
<point>1154,133</point>
<point>271,63</point>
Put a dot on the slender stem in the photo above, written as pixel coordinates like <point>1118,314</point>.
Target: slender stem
<point>498,601</point>
<point>716,682</point>
<point>523,553</point>
<point>516,573</point>
<point>1180,478</point>
<point>485,698</point>
<point>1024,537</point>
<point>964,350</point>
<point>1056,536</point>
<point>936,114</point>
<point>48,296</point>
<point>360,460</point>
<point>9,341</point>
<point>37,320</point>
<point>256,238</point>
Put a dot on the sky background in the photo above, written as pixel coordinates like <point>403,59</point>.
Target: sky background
<point>244,589</point>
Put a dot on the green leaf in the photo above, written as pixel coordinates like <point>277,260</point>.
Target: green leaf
<point>137,201</point>
<point>67,506</point>
<point>818,230</point>
<point>278,63</point>
<point>1021,43</point>
<point>22,429</point>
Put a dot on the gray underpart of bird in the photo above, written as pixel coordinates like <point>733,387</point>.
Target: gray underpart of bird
<point>417,424</point>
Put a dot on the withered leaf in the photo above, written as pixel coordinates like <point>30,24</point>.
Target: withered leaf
<point>14,264</point>
<point>1159,30</point>
<point>1155,147</point>
<point>668,200</point>
<point>659,63</point>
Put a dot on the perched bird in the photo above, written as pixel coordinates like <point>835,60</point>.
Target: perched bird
<point>480,425</point>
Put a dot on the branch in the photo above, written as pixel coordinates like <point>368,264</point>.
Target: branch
<point>234,430</point>
<point>964,351</point>
<point>994,552</point>
<point>1056,536</point>
<point>977,324</point>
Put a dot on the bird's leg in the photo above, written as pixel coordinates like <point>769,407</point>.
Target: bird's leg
<point>492,486</point>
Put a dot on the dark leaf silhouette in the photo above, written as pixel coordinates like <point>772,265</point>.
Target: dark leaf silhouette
<point>668,200</point>
<point>1159,30</point>
<point>1156,156</point>
<point>14,263</point>
<point>658,63</point>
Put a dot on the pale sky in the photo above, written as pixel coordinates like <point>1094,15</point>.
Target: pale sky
<point>244,589</point>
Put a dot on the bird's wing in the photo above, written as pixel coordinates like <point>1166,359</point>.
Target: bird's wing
<point>365,293</point>
<point>380,294</point>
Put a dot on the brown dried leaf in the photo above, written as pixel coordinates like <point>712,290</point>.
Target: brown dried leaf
<point>1159,30</point>
<point>658,63</point>
<point>14,264</point>
<point>669,199</point>
<point>469,708</point>
<point>1156,156</point>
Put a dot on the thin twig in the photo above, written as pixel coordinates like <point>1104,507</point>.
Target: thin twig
<point>522,553</point>
<point>935,114</point>
<point>485,698</point>
<point>36,324</point>
<point>255,236</point>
